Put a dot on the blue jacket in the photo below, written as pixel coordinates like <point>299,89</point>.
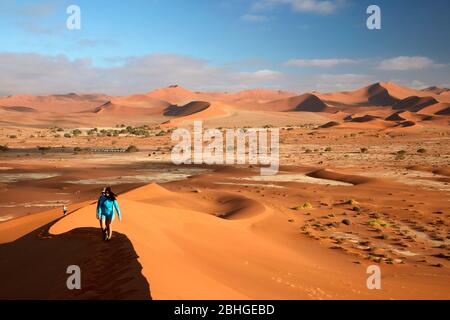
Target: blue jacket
<point>99,202</point>
<point>105,207</point>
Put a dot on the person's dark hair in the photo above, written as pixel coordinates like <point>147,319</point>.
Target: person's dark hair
<point>112,196</point>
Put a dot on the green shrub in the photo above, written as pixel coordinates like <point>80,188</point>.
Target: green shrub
<point>306,205</point>
<point>378,223</point>
<point>352,202</point>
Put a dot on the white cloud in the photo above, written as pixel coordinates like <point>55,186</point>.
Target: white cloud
<point>35,18</point>
<point>314,6</point>
<point>39,74</point>
<point>264,78</point>
<point>37,9</point>
<point>321,63</point>
<point>262,74</point>
<point>404,63</point>
<point>417,84</point>
<point>254,18</point>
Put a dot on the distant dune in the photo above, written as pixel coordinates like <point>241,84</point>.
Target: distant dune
<point>55,103</point>
<point>186,110</point>
<point>260,95</point>
<point>436,109</point>
<point>444,112</point>
<point>174,94</point>
<point>375,95</point>
<point>306,102</point>
<point>176,105</point>
<point>114,110</point>
<point>365,118</point>
<point>395,117</point>
<point>436,90</point>
<point>379,95</point>
<point>309,103</point>
<point>406,124</point>
<point>18,109</point>
<point>199,111</point>
<point>140,101</point>
<point>415,103</point>
<point>330,124</point>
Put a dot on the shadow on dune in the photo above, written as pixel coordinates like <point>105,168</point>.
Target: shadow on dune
<point>34,266</point>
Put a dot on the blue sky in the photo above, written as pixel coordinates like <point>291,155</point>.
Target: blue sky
<point>135,46</point>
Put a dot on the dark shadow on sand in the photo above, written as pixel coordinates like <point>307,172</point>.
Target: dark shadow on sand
<point>34,266</point>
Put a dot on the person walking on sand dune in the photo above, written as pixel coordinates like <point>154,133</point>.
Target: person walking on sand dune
<point>99,213</point>
<point>108,205</point>
<point>65,210</point>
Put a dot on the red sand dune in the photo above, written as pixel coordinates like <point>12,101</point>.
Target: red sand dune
<point>330,124</point>
<point>309,103</point>
<point>415,103</point>
<point>379,95</point>
<point>406,116</point>
<point>339,115</point>
<point>436,109</point>
<point>407,124</point>
<point>375,94</point>
<point>395,117</point>
<point>365,118</point>
<point>260,95</point>
<point>444,112</point>
<point>400,92</point>
<point>436,90</point>
<point>186,110</point>
<point>239,107</point>
<point>174,94</point>
<point>215,110</point>
<point>114,110</point>
<point>306,102</point>
<point>140,101</point>
<point>56,103</point>
<point>18,109</point>
<point>221,258</point>
<point>333,175</point>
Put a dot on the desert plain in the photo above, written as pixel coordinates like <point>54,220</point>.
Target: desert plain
<point>363,180</point>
